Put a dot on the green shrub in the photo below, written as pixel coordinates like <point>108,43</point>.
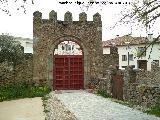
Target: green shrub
<point>154,110</point>
<point>45,101</point>
<point>103,93</point>
<point>22,90</point>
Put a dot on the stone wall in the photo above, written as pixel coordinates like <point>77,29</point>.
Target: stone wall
<point>142,87</point>
<point>110,64</point>
<point>5,74</point>
<point>110,59</point>
<point>143,95</point>
<point>23,72</point>
<point>105,82</point>
<point>48,33</point>
<point>149,77</point>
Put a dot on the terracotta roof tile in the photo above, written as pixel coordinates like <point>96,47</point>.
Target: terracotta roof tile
<point>120,41</point>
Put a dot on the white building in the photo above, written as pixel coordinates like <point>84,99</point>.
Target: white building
<point>132,47</point>
<point>64,48</point>
<point>68,48</point>
<point>27,43</point>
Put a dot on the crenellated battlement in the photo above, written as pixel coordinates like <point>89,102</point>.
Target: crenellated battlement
<point>67,16</point>
<point>48,33</point>
<point>97,17</point>
<point>37,15</point>
<point>53,15</point>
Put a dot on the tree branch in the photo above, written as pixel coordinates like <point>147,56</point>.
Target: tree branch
<point>153,42</point>
<point>149,3</point>
<point>149,11</point>
<point>153,18</point>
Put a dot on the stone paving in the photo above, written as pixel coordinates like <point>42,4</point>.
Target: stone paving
<point>87,106</point>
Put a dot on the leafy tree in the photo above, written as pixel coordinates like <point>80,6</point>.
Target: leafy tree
<point>10,50</point>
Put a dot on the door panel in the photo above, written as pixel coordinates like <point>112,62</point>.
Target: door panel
<point>68,72</point>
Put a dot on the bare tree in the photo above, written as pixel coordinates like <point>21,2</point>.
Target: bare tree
<point>4,5</point>
<point>145,12</point>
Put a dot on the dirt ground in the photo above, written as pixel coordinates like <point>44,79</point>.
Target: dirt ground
<point>22,109</point>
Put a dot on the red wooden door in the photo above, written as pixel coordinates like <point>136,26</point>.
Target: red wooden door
<point>68,72</point>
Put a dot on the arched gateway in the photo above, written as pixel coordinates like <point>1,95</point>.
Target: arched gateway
<point>62,71</point>
<point>68,66</point>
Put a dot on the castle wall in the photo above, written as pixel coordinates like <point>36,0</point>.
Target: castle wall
<point>48,33</point>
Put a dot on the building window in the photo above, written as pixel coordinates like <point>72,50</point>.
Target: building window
<point>131,57</point>
<point>124,57</point>
<point>133,66</point>
<point>62,47</point>
<point>141,52</point>
<point>156,62</point>
<point>72,47</point>
<point>66,46</point>
<point>69,47</point>
<point>124,66</point>
<point>28,44</point>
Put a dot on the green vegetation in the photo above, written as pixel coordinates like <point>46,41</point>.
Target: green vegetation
<point>45,99</point>
<point>154,110</point>
<point>22,90</point>
<point>11,50</point>
<point>11,55</point>
<point>103,93</point>
<point>126,103</point>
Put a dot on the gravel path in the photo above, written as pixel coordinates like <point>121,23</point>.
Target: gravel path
<point>87,106</point>
<point>56,110</point>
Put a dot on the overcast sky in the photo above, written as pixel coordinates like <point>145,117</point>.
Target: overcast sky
<point>20,24</point>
